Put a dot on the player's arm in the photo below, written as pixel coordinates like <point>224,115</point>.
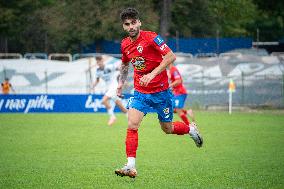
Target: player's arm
<point>175,83</point>
<point>95,83</point>
<point>122,77</point>
<point>168,59</point>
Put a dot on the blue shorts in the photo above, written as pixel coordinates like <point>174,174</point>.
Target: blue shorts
<point>161,102</point>
<point>179,100</point>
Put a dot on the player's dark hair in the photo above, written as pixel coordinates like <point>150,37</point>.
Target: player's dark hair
<point>99,57</point>
<point>129,13</point>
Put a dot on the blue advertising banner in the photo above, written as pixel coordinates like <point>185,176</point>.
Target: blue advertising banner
<point>42,103</point>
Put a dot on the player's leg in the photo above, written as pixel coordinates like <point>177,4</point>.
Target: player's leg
<point>165,115</point>
<point>179,101</point>
<point>111,94</point>
<point>120,105</point>
<point>180,128</point>
<point>183,115</point>
<point>137,110</point>
<point>190,113</point>
<point>110,109</point>
<point>105,102</point>
<point>131,143</point>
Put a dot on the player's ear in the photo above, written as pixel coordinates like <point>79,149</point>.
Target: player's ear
<point>139,22</point>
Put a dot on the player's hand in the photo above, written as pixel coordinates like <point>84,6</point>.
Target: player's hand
<point>119,91</point>
<point>145,80</point>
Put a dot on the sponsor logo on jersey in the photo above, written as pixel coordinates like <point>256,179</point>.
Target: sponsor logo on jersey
<point>166,111</point>
<point>163,47</point>
<point>167,116</point>
<point>139,48</point>
<point>138,62</point>
<point>158,40</point>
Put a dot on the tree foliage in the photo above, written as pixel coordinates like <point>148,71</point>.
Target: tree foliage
<point>232,17</point>
<point>192,18</point>
<point>67,25</point>
<point>71,24</point>
<point>18,17</point>
<point>269,20</point>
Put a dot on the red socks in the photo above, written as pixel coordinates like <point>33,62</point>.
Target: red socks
<point>180,128</point>
<point>131,142</point>
<point>184,118</point>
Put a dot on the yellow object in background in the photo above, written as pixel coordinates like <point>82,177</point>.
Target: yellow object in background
<point>232,86</point>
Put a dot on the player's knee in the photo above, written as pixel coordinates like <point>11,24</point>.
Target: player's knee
<point>132,125</point>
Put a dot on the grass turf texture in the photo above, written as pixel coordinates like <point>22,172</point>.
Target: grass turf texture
<point>244,150</point>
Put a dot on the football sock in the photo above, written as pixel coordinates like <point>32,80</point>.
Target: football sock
<point>131,142</point>
<point>180,128</point>
<point>131,162</point>
<point>184,119</point>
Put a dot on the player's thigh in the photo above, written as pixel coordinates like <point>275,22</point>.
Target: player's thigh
<point>134,118</point>
<point>165,107</point>
<point>105,98</point>
<point>111,93</point>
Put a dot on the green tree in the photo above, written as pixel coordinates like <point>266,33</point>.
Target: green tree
<point>232,17</point>
<point>72,24</point>
<point>67,25</point>
<point>192,18</point>
<point>15,20</point>
<point>269,20</point>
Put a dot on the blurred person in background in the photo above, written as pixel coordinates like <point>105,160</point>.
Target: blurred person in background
<point>150,56</point>
<point>108,72</point>
<point>6,87</point>
<point>180,94</point>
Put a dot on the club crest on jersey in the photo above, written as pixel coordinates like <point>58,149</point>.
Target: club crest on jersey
<point>140,48</point>
<point>166,110</point>
<point>158,40</point>
<point>138,62</point>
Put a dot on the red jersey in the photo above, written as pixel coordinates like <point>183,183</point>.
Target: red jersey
<point>175,75</point>
<point>145,54</point>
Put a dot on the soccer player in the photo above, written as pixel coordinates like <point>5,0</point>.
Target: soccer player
<point>6,86</point>
<point>108,72</point>
<point>180,94</point>
<point>149,55</point>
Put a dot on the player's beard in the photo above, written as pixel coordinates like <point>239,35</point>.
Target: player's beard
<point>133,33</point>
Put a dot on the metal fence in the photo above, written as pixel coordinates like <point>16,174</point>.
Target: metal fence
<point>265,91</point>
<point>257,83</point>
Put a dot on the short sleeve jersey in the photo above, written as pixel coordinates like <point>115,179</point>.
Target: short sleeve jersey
<point>145,54</point>
<point>108,73</point>
<point>175,75</point>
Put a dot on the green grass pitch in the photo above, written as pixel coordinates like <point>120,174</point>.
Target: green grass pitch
<point>244,150</point>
